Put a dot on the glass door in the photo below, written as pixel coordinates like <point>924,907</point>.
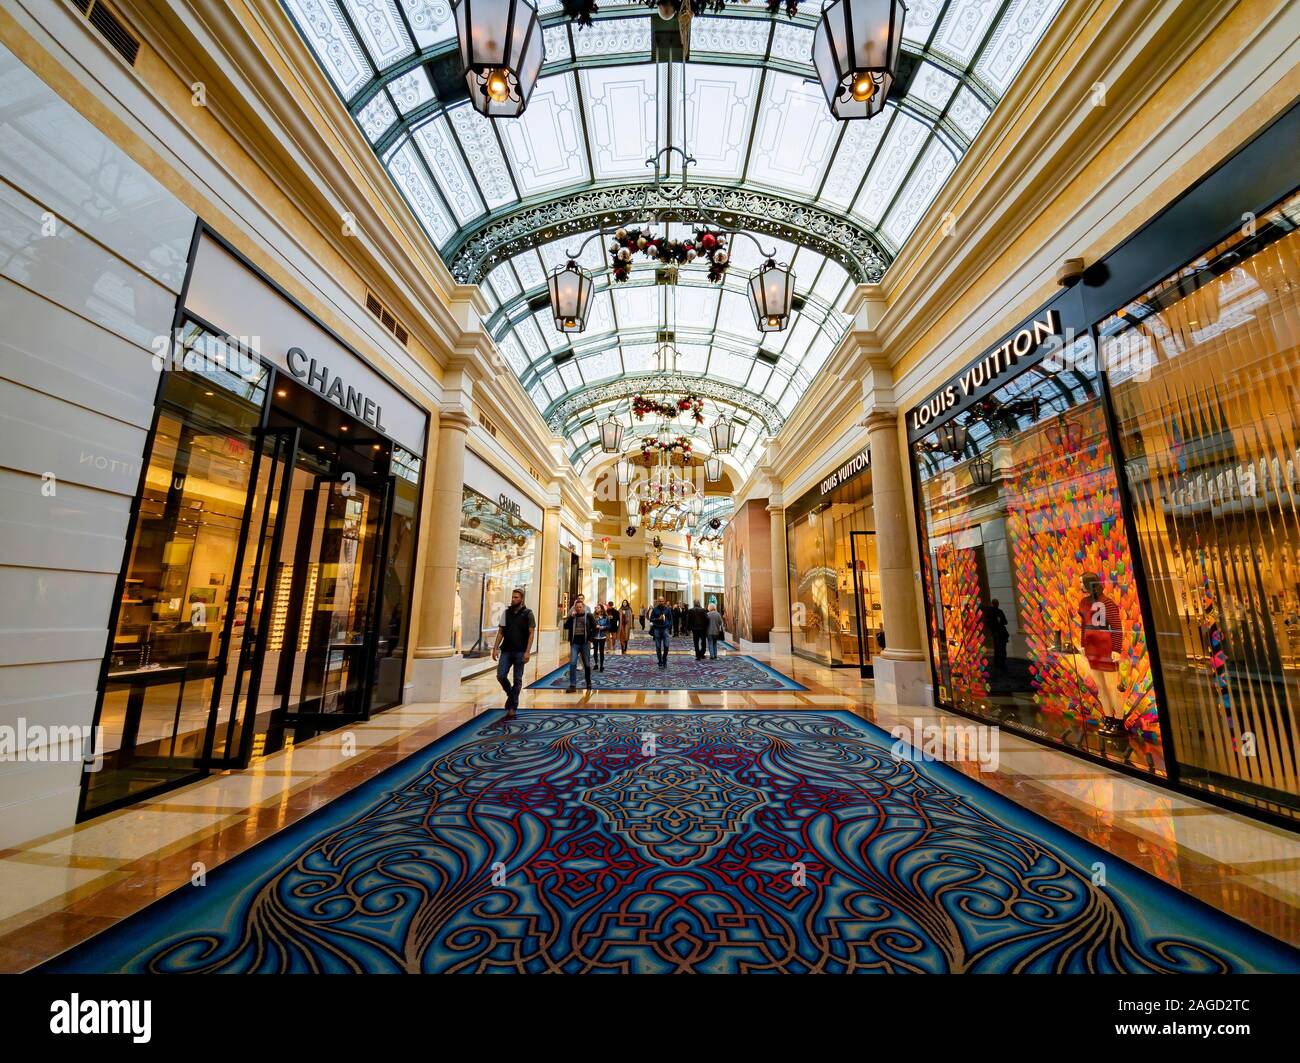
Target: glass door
<point>249,612</point>
<point>866,598</point>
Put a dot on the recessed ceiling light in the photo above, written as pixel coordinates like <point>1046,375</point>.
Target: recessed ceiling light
<point>282,393</point>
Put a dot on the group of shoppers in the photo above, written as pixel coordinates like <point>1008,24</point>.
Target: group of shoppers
<point>705,626</point>
<point>590,630</point>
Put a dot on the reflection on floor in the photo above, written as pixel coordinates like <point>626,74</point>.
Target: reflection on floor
<point>62,889</point>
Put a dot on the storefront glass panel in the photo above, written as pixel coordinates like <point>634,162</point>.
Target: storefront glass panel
<point>834,606</point>
<point>497,554</point>
<point>1035,619</point>
<point>1205,377</point>
<point>165,653</point>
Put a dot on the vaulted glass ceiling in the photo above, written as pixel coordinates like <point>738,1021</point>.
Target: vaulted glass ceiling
<point>503,201</point>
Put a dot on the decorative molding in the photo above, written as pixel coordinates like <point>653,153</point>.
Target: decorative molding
<point>494,239</point>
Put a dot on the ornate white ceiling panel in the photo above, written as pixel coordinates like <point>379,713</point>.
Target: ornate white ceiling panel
<point>505,201</point>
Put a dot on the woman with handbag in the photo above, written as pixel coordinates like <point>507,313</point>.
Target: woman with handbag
<point>624,624</point>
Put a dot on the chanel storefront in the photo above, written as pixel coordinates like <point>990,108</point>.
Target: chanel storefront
<point>1107,501</point>
<point>265,592</point>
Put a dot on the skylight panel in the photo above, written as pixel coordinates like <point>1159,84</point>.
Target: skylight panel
<point>448,169</point>
<point>638,357</point>
<point>729,36</point>
<point>793,43</point>
<point>544,144</point>
<point>906,138</point>
<point>431,21</point>
<point>637,307</point>
<point>531,338</point>
<point>856,150</point>
<point>337,50</point>
<point>529,268</point>
<point>968,113</point>
<point>503,282</point>
<point>922,186</point>
<point>614,36</point>
<point>620,102</point>
<point>413,89</point>
<point>601,365</point>
<point>412,178</point>
<point>376,117</point>
<point>932,87</point>
<point>514,353</point>
<point>720,102</point>
<point>963,28</point>
<point>381,31</point>
<point>1024,22</point>
<point>733,368</point>
<point>481,147</point>
<point>795,137</point>
<point>556,41</point>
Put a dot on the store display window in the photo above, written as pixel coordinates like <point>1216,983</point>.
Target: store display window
<point>1204,372</point>
<point>835,614</point>
<point>1034,614</point>
<point>497,554</point>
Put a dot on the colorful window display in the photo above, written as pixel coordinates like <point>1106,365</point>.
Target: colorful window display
<point>1205,377</point>
<point>1035,620</point>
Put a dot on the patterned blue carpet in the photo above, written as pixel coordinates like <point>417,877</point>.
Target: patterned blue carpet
<point>674,842</point>
<point>642,672</point>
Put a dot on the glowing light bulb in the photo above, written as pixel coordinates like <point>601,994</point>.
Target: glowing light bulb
<point>863,88</point>
<point>498,85</point>
<point>773,322</point>
<point>570,323</point>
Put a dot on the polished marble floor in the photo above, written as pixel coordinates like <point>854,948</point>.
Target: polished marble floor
<point>61,889</point>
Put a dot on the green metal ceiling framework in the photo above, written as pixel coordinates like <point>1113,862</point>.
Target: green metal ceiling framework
<point>505,202</point>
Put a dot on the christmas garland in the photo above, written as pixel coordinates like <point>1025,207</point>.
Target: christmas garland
<point>643,407</point>
<point>629,242</point>
<point>652,443</point>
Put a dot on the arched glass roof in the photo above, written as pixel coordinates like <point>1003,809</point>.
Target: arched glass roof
<point>503,200</point>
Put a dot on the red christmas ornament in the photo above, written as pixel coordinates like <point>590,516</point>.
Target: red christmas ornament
<point>708,241</point>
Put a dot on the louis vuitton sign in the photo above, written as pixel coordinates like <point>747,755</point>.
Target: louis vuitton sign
<point>1002,361</point>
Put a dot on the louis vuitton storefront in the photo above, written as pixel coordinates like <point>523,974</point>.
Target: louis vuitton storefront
<point>1107,501</point>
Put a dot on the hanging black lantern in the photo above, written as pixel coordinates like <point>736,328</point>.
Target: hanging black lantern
<point>952,437</point>
<point>771,296</point>
<point>855,49</point>
<point>571,288</point>
<point>623,469</point>
<point>723,434</point>
<point>713,470</point>
<point>981,471</point>
<point>611,435</point>
<point>501,53</point>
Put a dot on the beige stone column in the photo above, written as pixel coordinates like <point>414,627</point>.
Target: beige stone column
<point>901,672</point>
<point>548,597</point>
<point>779,637</point>
<point>435,675</point>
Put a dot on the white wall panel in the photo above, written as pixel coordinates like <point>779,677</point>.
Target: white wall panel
<point>92,253</point>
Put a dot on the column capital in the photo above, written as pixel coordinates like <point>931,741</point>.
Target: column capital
<point>879,417</point>
<point>455,417</point>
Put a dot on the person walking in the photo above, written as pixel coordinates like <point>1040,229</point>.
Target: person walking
<point>661,619</point>
<point>697,619</point>
<point>513,647</point>
<point>643,618</point>
<point>714,630</point>
<point>624,624</point>
<point>581,627</point>
<point>603,620</point>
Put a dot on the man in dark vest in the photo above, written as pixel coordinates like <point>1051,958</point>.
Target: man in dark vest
<point>513,647</point>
